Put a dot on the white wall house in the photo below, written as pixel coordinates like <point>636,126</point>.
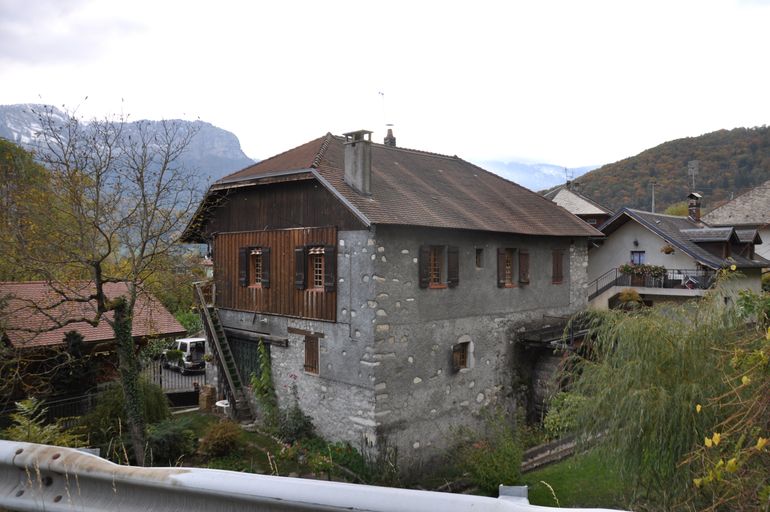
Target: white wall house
<point>747,211</point>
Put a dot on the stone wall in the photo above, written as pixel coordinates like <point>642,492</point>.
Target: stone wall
<point>420,400</point>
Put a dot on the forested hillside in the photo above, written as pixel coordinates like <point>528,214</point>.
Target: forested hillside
<point>729,162</point>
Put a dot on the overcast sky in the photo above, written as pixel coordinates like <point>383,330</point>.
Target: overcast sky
<point>565,82</point>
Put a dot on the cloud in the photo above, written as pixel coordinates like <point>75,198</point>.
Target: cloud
<point>51,31</point>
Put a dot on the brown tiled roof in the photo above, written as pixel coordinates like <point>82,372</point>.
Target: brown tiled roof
<point>31,321</point>
<point>418,188</point>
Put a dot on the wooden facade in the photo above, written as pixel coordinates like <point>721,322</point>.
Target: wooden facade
<point>289,204</point>
<point>282,297</point>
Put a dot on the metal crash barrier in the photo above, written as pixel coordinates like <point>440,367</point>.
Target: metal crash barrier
<point>51,478</point>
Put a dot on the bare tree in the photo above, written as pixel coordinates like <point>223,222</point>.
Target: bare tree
<point>117,201</point>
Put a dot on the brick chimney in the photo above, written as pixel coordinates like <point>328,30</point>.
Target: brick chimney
<point>390,139</point>
<point>358,161</point>
<point>693,206</point>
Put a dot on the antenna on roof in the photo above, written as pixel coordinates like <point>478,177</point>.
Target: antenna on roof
<point>568,174</point>
<point>692,171</point>
<point>384,118</point>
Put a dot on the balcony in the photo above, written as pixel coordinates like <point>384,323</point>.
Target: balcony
<point>674,279</point>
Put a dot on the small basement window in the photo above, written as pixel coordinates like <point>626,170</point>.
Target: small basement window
<point>462,356</point>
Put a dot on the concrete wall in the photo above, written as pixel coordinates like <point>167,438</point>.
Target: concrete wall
<point>617,248</point>
<point>420,400</point>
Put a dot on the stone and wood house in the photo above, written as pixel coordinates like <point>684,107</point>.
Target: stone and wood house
<point>689,251</point>
<point>389,283</point>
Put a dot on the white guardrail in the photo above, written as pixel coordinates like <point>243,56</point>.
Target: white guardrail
<point>51,478</point>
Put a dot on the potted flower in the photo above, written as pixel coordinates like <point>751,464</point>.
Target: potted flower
<point>640,272</point>
<point>667,249</point>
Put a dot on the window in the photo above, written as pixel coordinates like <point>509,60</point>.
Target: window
<point>462,354</point>
<point>591,221</point>
<point>557,270</point>
<point>254,267</point>
<point>314,267</point>
<point>637,257</point>
<point>436,265</point>
<point>439,266</point>
<point>479,258</point>
<point>311,354</point>
<point>506,268</point>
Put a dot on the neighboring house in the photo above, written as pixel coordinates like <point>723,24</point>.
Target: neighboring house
<point>34,310</point>
<point>389,282</point>
<point>747,211</point>
<point>568,197</point>
<point>690,250</point>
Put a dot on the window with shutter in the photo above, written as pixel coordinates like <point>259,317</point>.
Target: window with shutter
<point>423,263</point>
<point>311,354</point>
<point>265,267</point>
<point>524,266</point>
<point>439,266</point>
<point>557,275</point>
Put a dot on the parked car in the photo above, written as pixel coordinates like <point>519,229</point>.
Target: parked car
<point>192,351</point>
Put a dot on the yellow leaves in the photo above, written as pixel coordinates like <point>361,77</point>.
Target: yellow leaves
<point>698,408</point>
<point>732,465</point>
<point>761,443</point>
<point>697,481</point>
<point>733,268</point>
<point>767,336</point>
<point>708,442</point>
<point>713,440</point>
<point>745,380</point>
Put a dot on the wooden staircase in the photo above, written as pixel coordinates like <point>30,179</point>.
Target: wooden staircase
<point>235,391</point>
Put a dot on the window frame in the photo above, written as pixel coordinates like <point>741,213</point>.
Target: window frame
<point>255,279</point>
<point>462,355</point>
<point>438,266</point>
<point>437,260</point>
<point>641,259</point>
<point>316,268</point>
<point>479,258</point>
<point>507,267</point>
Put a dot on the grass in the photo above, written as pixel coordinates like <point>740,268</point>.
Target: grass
<point>581,481</point>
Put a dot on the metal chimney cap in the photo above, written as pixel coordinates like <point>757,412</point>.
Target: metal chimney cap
<point>358,135</point>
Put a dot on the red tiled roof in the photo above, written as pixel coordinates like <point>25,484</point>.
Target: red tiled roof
<point>417,188</point>
<point>31,314</point>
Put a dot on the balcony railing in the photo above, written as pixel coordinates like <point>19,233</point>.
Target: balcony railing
<point>692,279</point>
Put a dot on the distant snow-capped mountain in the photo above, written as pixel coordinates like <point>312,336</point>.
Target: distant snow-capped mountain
<point>535,176</point>
<point>212,152</point>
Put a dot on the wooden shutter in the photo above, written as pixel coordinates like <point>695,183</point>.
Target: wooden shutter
<point>423,264</point>
<point>243,266</point>
<point>500,267</point>
<point>330,267</point>
<point>311,354</point>
<point>300,268</point>
<point>453,266</point>
<point>266,267</point>
<point>558,270</point>
<point>524,266</point>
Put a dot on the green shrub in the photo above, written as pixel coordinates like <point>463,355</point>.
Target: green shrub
<point>174,355</point>
<point>29,425</point>
<point>190,320</point>
<point>563,410</point>
<point>169,441</point>
<point>294,425</point>
<point>495,458</point>
<point>221,439</point>
<point>106,424</point>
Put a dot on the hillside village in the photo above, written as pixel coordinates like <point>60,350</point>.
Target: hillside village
<point>389,305</point>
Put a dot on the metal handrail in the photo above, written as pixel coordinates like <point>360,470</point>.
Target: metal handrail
<point>699,279</point>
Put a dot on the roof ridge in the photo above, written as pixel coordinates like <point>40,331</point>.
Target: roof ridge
<point>412,150</point>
